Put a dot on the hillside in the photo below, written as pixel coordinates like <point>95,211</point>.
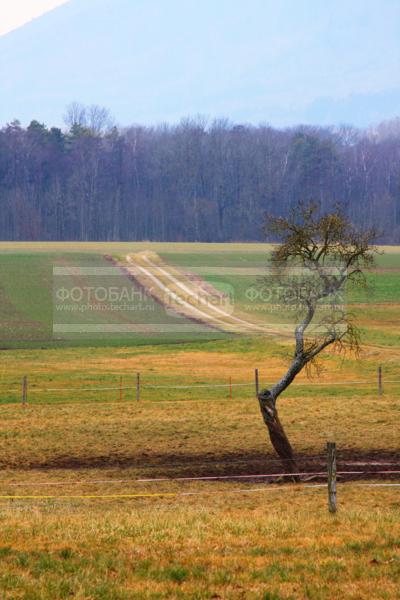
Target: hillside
<point>151,61</point>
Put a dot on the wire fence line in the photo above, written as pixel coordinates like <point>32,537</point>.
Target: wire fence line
<point>167,494</point>
<point>157,480</point>
<point>343,464</point>
<point>306,475</point>
<point>138,388</point>
<point>196,386</point>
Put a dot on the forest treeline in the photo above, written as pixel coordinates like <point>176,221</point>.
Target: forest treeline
<point>195,181</point>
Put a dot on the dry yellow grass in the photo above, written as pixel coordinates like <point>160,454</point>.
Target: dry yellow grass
<point>230,540</point>
<point>125,247</point>
<point>213,362</point>
<point>270,543</point>
<point>89,426</point>
<point>120,247</point>
<point>207,432</point>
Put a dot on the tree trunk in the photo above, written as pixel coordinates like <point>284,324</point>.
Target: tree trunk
<point>276,432</point>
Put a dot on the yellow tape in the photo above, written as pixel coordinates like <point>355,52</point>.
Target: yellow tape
<point>154,495</point>
<point>175,494</point>
<point>89,496</point>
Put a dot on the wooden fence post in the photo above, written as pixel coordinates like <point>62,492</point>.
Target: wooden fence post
<point>331,450</point>
<point>138,386</point>
<point>120,388</point>
<point>230,388</point>
<point>380,388</point>
<point>256,381</point>
<point>24,390</point>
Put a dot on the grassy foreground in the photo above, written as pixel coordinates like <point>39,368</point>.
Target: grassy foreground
<point>222,543</point>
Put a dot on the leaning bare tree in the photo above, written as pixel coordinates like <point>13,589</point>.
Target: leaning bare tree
<point>319,255</point>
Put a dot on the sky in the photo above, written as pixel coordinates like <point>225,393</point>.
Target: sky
<point>278,61</point>
<point>15,13</point>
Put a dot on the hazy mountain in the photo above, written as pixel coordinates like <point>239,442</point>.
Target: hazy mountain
<point>151,60</point>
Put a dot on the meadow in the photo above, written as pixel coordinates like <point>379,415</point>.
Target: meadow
<point>76,522</point>
<point>27,304</point>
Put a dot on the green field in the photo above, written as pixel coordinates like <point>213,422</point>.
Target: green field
<point>26,292</point>
<point>75,522</point>
<point>26,309</point>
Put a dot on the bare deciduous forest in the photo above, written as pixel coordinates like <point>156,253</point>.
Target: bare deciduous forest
<point>195,181</point>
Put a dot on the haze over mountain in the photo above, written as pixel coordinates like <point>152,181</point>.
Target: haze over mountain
<point>158,60</point>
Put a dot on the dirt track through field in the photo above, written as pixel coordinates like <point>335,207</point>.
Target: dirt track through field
<point>193,311</point>
<point>195,299</point>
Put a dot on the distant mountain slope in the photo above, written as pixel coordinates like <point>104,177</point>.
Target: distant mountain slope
<point>152,60</point>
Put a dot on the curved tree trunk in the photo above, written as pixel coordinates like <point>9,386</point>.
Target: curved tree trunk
<point>276,432</point>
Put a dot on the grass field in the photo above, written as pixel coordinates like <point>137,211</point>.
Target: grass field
<point>126,539</point>
<point>224,543</point>
<point>28,311</point>
<point>27,306</point>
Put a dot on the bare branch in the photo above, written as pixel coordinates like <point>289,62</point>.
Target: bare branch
<point>332,253</point>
